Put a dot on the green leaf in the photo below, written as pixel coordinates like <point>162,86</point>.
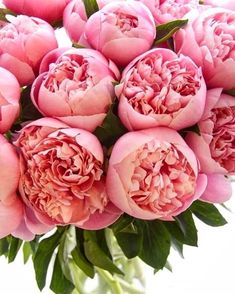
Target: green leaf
<point>59,283</point>
<point>168,266</point>
<point>195,129</point>
<point>79,257</point>
<point>175,230</point>
<point>27,251</point>
<point>4,245</point>
<point>78,46</point>
<point>208,213</point>
<point>130,239</point>
<point>187,226</point>
<point>91,7</point>
<point>166,31</point>
<point>178,246</point>
<point>66,246</point>
<point>34,244</point>
<point>4,12</point>
<point>15,244</point>
<point>110,130</point>
<point>102,242</point>
<point>230,92</point>
<point>177,236</point>
<point>43,257</point>
<point>83,263</point>
<point>57,24</point>
<point>122,223</point>
<point>156,244</point>
<point>96,255</point>
<point>28,110</point>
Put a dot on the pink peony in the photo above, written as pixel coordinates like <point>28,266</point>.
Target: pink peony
<point>23,43</point>
<point>62,178</point>
<point>75,18</point>
<point>168,10</point>
<point>215,148</point>
<point>9,99</point>
<point>49,10</point>
<point>11,208</point>
<point>15,218</point>
<point>159,88</point>
<point>228,4</point>
<point>118,26</point>
<point>209,39</point>
<point>153,174</point>
<point>76,87</point>
<point>30,225</point>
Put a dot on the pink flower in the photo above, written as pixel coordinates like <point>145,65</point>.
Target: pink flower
<point>228,4</point>
<point>62,178</point>
<point>21,221</point>
<point>76,87</point>
<point>153,174</point>
<point>30,225</point>
<point>50,11</point>
<point>209,39</point>
<point>215,147</point>
<point>11,208</point>
<point>218,189</point>
<point>121,30</point>
<point>75,18</point>
<point>168,10</point>
<point>159,88</point>
<point>23,43</point>
<point>9,99</point>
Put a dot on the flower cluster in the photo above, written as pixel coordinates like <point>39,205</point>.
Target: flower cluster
<point>137,117</point>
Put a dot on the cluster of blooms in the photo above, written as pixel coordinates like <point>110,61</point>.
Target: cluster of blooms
<point>54,170</point>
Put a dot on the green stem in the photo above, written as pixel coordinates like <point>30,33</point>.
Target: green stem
<point>76,275</point>
<point>111,281</point>
<point>131,289</point>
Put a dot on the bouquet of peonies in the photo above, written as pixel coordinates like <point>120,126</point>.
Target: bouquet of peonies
<point>108,147</point>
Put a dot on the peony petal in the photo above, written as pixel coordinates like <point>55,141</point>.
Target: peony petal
<point>13,214</point>
<point>9,172</point>
<point>202,151</point>
<point>23,72</point>
<point>218,190</point>
<point>102,220</point>
<point>88,123</point>
<point>133,48</point>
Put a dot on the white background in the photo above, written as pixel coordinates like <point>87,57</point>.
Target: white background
<point>210,268</point>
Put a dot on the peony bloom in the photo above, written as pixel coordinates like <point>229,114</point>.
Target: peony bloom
<point>168,10</point>
<point>118,25</point>
<point>209,39</point>
<point>75,18</point>
<point>11,208</point>
<point>62,178</point>
<point>15,218</point>
<point>153,174</point>
<point>159,88</point>
<point>9,99</point>
<point>76,87</point>
<point>23,43</point>
<point>228,4</point>
<point>50,11</point>
<point>215,148</point>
